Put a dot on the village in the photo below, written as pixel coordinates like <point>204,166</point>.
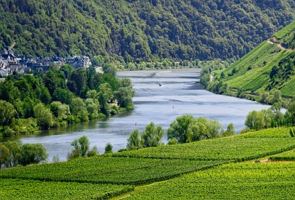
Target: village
<point>12,64</point>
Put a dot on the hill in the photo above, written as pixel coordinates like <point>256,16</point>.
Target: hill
<point>268,68</point>
<point>144,30</point>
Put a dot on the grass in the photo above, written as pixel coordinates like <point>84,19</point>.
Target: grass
<point>110,170</point>
<point>233,181</point>
<point>28,189</point>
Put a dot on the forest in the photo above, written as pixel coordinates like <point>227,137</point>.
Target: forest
<point>60,97</point>
<point>141,30</point>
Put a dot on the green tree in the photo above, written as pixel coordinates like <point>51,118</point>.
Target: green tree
<point>4,154</point>
<point>14,153</point>
<point>80,147</point>
<point>134,140</point>
<point>7,113</point>
<point>108,149</point>
<point>230,130</point>
<point>179,129</point>
<point>105,96</point>
<point>32,154</point>
<point>255,120</point>
<point>152,135</point>
<point>92,108</point>
<point>78,109</point>
<point>44,116</point>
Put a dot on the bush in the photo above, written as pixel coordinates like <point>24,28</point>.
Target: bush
<point>108,149</point>
<point>32,154</point>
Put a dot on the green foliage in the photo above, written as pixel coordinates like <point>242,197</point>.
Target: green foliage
<point>230,130</point>
<point>7,113</point>
<point>140,30</point>
<point>80,148</point>
<point>108,148</point>
<point>32,189</point>
<point>32,154</point>
<point>152,135</point>
<point>179,129</point>
<point>60,97</point>
<point>188,129</point>
<point>266,119</point>
<point>292,132</point>
<point>43,116</point>
<point>134,140</point>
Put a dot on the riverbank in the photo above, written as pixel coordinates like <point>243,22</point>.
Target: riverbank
<point>160,96</point>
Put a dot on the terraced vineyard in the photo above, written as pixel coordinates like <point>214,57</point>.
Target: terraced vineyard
<point>254,73</point>
<point>234,181</point>
<point>194,167</point>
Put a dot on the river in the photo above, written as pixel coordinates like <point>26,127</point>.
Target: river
<point>160,96</point>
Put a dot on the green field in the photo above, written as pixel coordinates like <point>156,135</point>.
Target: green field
<point>206,169</point>
<point>17,189</point>
<point>108,170</point>
<point>233,181</point>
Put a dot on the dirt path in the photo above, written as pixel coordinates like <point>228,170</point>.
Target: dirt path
<point>274,41</point>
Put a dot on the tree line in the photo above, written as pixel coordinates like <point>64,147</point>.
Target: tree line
<point>60,97</point>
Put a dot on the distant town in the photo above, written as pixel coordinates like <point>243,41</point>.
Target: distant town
<point>10,63</point>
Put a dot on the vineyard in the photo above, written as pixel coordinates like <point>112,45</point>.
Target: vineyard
<point>232,148</point>
<point>285,156</point>
<point>109,170</point>
<point>27,189</point>
<point>195,167</point>
<point>233,181</point>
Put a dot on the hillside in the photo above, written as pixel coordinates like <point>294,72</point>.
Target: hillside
<point>222,168</point>
<point>141,29</point>
<point>267,68</point>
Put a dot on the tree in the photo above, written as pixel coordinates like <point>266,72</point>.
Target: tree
<point>80,147</point>
<point>134,140</point>
<point>255,120</point>
<point>92,108</point>
<point>179,129</point>
<point>290,115</point>
<point>202,128</point>
<point>14,154</point>
<point>152,135</point>
<point>32,154</point>
<point>44,116</point>
<point>230,130</point>
<point>4,154</point>
<point>78,108</point>
<point>7,113</point>
<point>105,95</point>
<point>124,96</point>
<point>108,148</point>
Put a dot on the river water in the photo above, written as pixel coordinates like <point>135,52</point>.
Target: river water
<point>160,96</point>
